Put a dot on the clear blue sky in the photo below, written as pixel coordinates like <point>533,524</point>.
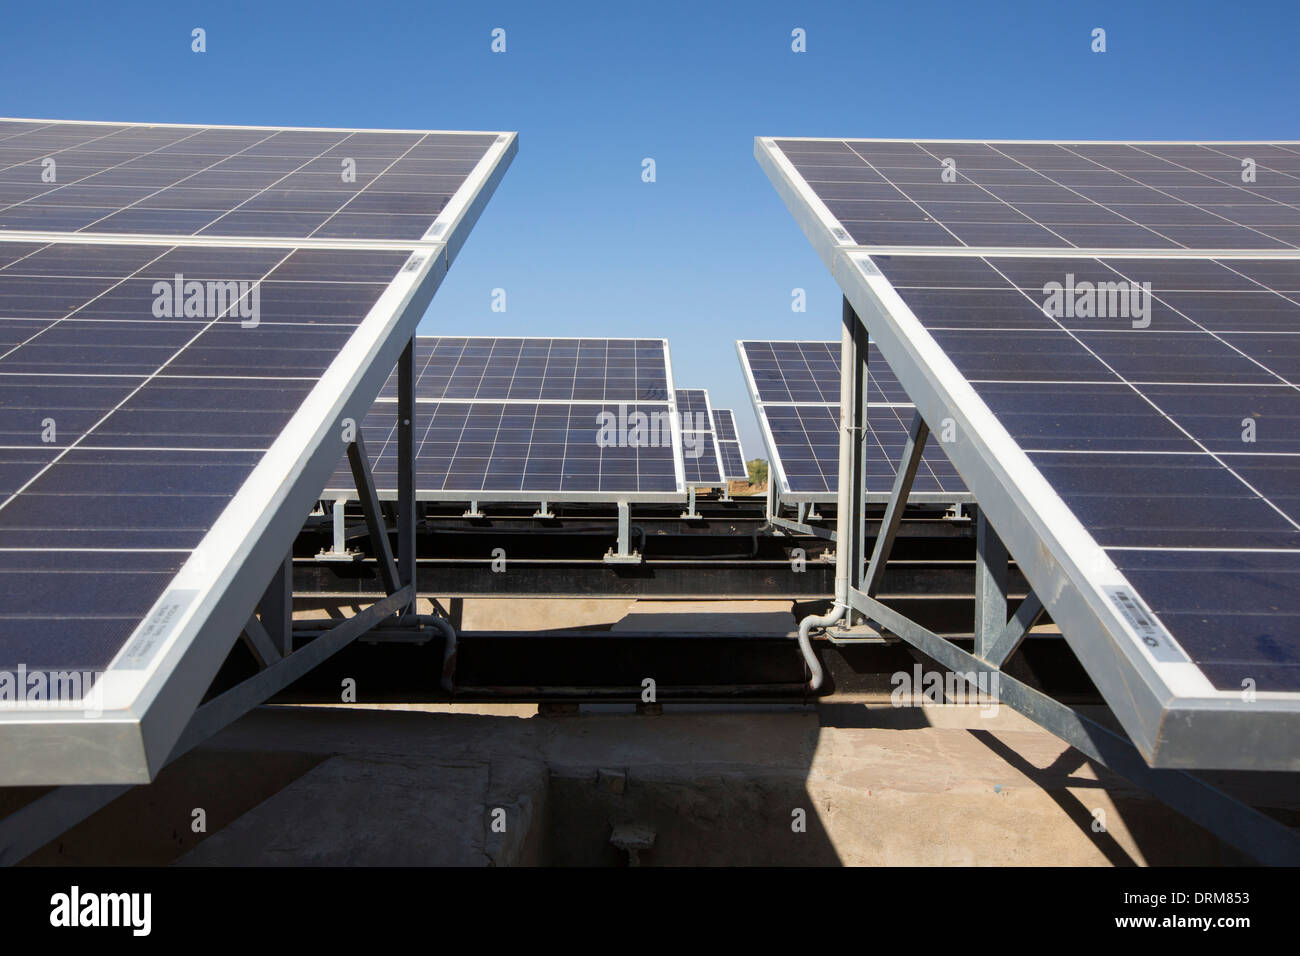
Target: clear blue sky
<point>708,253</point>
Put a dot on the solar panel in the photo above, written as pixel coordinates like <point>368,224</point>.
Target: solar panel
<point>1122,372</point>
<point>733,457</point>
<point>551,369</point>
<point>170,402</point>
<point>700,452</point>
<point>231,181</point>
<point>489,451</point>
<point>795,389</point>
<point>511,419</point>
<point>1054,195</point>
<point>1143,432</point>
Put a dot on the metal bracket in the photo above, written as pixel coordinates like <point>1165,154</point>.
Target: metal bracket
<point>624,554</point>
<point>690,512</point>
<point>340,550</point>
<point>544,511</point>
<point>807,529</point>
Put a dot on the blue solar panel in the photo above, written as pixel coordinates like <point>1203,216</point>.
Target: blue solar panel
<point>122,433</point>
<point>194,181</point>
<point>523,369</point>
<point>501,417</point>
<point>178,353</point>
<point>526,449</point>
<point>1055,195</point>
<point>700,457</point>
<point>733,458</point>
<point>797,401</point>
<point>1176,442</point>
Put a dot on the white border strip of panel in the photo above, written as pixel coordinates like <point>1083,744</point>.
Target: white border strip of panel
<point>679,465</point>
<point>774,466</point>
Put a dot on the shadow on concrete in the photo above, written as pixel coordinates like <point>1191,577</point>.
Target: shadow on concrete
<point>1161,835</point>
<point>358,786</point>
<point>859,717</point>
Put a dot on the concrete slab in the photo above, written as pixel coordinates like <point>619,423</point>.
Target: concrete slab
<point>383,811</point>
<point>843,784</point>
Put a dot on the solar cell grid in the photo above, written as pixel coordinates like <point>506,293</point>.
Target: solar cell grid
<point>1180,437</point>
<point>539,369</point>
<point>529,382</point>
<point>809,372</point>
<point>733,461</point>
<point>724,423</point>
<point>1129,317</point>
<point>732,457</point>
<point>220,182</point>
<point>805,432</point>
<point>499,448</point>
<point>701,456</point>
<point>1056,195</point>
<point>115,435</point>
<point>149,381</point>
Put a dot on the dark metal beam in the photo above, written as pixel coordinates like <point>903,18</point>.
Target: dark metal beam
<point>731,580</point>
<point>365,482</point>
<point>276,607</point>
<point>991,567</point>
<point>259,642</point>
<point>911,459</point>
<point>406,409</point>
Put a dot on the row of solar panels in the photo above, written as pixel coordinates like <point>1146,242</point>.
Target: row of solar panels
<point>179,450</point>
<point>507,419</point>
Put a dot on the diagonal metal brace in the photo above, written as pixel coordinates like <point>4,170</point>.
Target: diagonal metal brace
<point>365,482</point>
<point>910,461</point>
<point>1005,644</point>
<point>260,643</point>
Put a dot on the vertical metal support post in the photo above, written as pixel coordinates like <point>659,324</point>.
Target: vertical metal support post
<point>622,553</point>
<point>340,527</point>
<point>991,570</point>
<point>690,511</point>
<point>857,469</point>
<point>406,472</point>
<point>277,607</point>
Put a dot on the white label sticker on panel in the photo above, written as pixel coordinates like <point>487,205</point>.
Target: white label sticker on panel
<point>1150,631</point>
<point>150,635</point>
